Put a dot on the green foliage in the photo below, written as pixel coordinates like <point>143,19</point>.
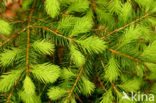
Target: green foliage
<point>131,34</point>
<point>28,86</point>
<point>10,58</point>
<point>149,53</point>
<point>120,100</point>
<point>55,93</point>
<point>139,71</point>
<point>126,11</point>
<point>66,23</point>
<point>9,79</point>
<point>82,25</point>
<point>76,56</point>
<point>93,45</point>
<point>131,85</point>
<point>78,6</point>
<point>107,97</point>
<point>88,87</point>
<point>46,72</point>
<point>6,28</point>
<point>146,4</point>
<point>52,7</point>
<point>67,73</point>
<point>29,98</point>
<point>115,6</point>
<point>68,51</point>
<point>104,17</point>
<point>43,47</point>
<point>112,70</point>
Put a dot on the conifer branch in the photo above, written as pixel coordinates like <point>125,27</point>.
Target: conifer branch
<point>13,36</point>
<point>114,87</point>
<point>133,22</point>
<point>130,57</point>
<point>3,36</point>
<point>10,94</point>
<point>76,81</point>
<point>43,89</point>
<point>28,38</point>
<point>59,35</point>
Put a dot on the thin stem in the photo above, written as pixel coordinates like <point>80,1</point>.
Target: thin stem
<point>59,35</point>
<point>133,22</point>
<point>13,36</point>
<point>10,94</point>
<point>76,81</point>
<point>130,57</point>
<point>3,36</point>
<point>43,89</point>
<point>28,38</point>
<point>114,87</point>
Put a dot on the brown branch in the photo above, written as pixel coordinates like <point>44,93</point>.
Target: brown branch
<point>43,89</point>
<point>117,52</point>
<point>3,36</point>
<point>13,36</point>
<point>76,81</point>
<point>54,32</point>
<point>127,56</point>
<point>114,87</point>
<point>10,94</point>
<point>28,38</point>
<point>133,22</point>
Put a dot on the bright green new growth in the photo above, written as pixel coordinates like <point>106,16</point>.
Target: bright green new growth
<point>8,57</point>
<point>46,72</point>
<point>43,47</point>
<point>149,53</point>
<point>88,87</point>
<point>112,70</point>
<point>82,25</point>
<point>76,56</point>
<point>93,45</point>
<point>131,85</point>
<point>77,51</point>
<point>55,93</point>
<point>126,11</point>
<point>28,86</point>
<point>6,28</point>
<point>67,73</point>
<point>33,98</point>
<point>78,6</point>
<point>104,17</point>
<point>115,6</point>
<point>52,7</point>
<point>131,34</point>
<point>107,97</point>
<point>8,80</point>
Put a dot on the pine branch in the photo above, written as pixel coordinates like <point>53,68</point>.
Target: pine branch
<point>10,94</point>
<point>13,36</point>
<point>114,87</point>
<point>130,57</point>
<point>54,32</point>
<point>45,85</point>
<point>28,38</point>
<point>3,36</point>
<point>76,81</point>
<point>133,22</point>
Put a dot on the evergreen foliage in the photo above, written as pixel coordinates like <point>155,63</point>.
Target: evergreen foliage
<point>77,51</point>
